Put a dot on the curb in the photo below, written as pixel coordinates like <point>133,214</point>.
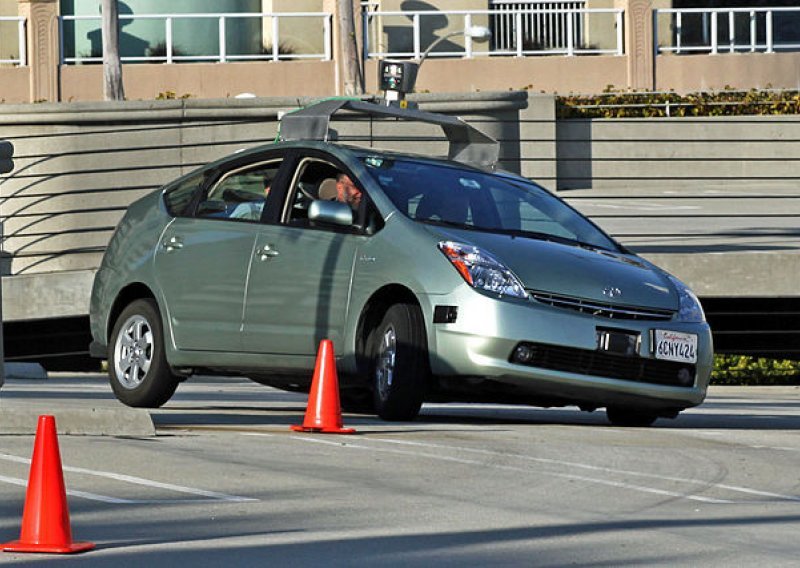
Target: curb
<point>22,420</point>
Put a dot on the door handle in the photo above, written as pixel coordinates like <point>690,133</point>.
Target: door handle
<point>172,243</point>
<point>266,252</point>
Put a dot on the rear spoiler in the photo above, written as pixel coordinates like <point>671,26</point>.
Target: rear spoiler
<point>467,143</point>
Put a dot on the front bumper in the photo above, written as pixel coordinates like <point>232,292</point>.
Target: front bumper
<point>481,341</point>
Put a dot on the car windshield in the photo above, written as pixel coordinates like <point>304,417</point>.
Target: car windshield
<point>441,194</point>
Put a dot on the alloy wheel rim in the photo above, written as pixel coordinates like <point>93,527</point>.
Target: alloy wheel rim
<point>385,368</point>
<point>133,351</point>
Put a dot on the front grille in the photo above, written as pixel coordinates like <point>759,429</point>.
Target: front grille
<point>604,364</point>
<point>602,310</point>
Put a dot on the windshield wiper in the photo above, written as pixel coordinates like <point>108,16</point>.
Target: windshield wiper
<point>536,235</point>
<point>444,223</point>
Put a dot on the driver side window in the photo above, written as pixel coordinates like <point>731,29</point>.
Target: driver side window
<point>313,180</point>
<point>240,195</point>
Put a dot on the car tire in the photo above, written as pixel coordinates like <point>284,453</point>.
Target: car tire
<point>629,417</point>
<point>137,366</point>
<point>399,363</point>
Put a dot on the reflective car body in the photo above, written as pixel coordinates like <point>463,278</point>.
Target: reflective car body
<point>447,283</point>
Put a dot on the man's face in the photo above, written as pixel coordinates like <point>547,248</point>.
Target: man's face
<point>347,192</point>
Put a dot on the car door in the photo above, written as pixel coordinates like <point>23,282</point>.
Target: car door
<point>300,278</point>
<point>203,260</point>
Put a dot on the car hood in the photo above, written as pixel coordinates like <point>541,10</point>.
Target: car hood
<point>604,276</point>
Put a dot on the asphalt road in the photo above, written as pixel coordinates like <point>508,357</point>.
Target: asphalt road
<point>225,483</point>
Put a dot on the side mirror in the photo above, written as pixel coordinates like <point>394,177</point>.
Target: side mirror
<point>330,212</point>
<point>212,206</point>
<point>6,155</point>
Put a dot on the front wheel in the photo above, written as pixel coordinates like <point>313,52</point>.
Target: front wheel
<point>137,366</point>
<point>399,363</point>
<point>622,416</point>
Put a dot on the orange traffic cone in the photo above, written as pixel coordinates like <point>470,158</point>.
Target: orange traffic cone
<point>324,413</point>
<point>45,519</point>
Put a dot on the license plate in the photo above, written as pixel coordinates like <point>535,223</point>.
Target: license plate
<point>675,346</point>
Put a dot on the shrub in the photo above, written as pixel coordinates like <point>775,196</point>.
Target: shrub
<point>744,370</point>
<point>618,104</point>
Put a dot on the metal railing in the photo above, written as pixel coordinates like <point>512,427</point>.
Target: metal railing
<point>5,23</point>
<point>541,24</point>
<point>173,55</point>
<point>413,44</point>
<point>721,30</point>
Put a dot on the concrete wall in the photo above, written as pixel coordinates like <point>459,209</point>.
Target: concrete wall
<point>692,73</point>
<point>79,165</point>
<point>714,200</point>
<point>538,74</point>
<point>204,80</point>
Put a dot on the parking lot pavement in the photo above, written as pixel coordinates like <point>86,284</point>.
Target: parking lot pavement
<point>224,482</point>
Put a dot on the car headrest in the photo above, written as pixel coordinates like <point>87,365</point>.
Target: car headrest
<point>327,190</point>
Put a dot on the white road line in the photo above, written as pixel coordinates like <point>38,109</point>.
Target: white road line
<point>71,493</point>
<point>140,481</point>
<point>734,488</point>
<point>776,448</point>
<point>621,485</point>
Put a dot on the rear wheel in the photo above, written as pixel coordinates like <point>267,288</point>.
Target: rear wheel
<point>137,366</point>
<point>399,363</point>
<point>622,416</point>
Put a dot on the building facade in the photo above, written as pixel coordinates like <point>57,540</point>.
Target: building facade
<point>50,50</point>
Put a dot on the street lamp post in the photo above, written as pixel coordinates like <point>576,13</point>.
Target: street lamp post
<point>399,77</point>
<point>478,33</point>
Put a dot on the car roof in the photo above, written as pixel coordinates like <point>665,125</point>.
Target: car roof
<point>358,152</point>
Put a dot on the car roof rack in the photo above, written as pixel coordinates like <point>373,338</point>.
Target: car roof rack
<point>467,143</point>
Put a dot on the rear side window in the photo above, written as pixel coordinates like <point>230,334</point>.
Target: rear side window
<point>179,197</point>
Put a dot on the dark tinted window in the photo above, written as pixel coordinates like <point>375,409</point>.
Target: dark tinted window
<point>449,195</point>
<point>178,197</point>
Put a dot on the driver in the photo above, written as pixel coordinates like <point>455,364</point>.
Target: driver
<point>347,192</point>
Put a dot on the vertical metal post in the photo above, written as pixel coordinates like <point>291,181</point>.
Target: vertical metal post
<point>416,36</point>
<point>714,23</point>
<point>752,31</point>
<point>731,32</point>
<point>570,39</point>
<point>656,48</point>
<point>169,38</point>
<point>23,44</point>
<point>276,42</point>
<point>620,35</point>
<point>222,47</point>
<point>518,32</point>
<point>467,37</point>
<point>326,37</point>
<point>679,31</point>
<point>365,46</point>
<point>706,40</point>
<point>769,32</point>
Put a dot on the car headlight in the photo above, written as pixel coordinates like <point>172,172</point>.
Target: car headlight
<point>481,270</point>
<point>690,309</point>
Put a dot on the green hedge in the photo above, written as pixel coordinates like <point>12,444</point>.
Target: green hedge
<point>743,370</point>
<point>616,104</point>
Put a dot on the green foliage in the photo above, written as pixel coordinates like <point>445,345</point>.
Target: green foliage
<point>171,96</point>
<point>744,370</point>
<point>618,104</point>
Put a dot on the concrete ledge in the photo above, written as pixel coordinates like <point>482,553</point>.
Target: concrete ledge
<point>123,421</point>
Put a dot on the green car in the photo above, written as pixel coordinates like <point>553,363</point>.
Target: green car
<point>436,281</point>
